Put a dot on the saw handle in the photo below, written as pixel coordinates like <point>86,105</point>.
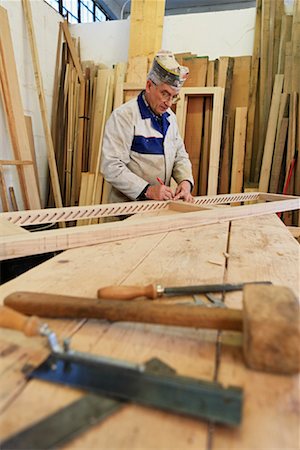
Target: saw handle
<point>128,292</point>
<point>14,320</point>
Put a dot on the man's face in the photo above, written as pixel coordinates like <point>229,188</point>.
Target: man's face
<point>160,97</point>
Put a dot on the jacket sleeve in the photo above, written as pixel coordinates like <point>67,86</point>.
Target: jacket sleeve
<point>182,169</point>
<point>117,140</point>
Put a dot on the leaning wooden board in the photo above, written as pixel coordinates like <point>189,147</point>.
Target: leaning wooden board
<point>258,248</point>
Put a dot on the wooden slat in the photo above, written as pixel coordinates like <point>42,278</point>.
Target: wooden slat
<point>204,163</point>
<point>266,61</point>
<point>270,136</point>
<point>195,115</point>
<point>3,191</point>
<point>54,240</point>
<point>253,85</point>
<point>42,102</point>
<point>28,122</point>
<point>296,48</point>
<point>237,172</point>
<point>225,77</point>
<point>73,51</point>
<point>146,27</point>
<point>15,114</point>
<point>285,36</point>
<point>278,156</point>
<point>13,199</point>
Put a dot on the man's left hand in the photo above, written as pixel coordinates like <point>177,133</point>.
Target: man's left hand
<point>183,191</point>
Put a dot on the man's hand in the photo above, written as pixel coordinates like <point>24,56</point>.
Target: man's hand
<point>159,192</point>
<point>183,191</point>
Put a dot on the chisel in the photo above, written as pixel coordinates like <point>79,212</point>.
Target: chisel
<point>153,291</point>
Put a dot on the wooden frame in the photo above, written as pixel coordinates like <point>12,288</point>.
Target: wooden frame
<point>217,94</point>
<point>65,238</point>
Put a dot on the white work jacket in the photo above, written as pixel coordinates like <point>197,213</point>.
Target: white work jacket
<point>138,147</point>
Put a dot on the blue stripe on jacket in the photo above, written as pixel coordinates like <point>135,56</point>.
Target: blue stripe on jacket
<point>150,146</point>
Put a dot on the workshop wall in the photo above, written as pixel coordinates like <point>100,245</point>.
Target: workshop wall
<point>223,33</point>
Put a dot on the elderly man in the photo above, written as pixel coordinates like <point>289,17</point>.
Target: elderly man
<point>142,148</point>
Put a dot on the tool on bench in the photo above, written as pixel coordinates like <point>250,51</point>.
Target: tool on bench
<point>153,291</point>
<point>138,383</point>
<point>269,319</point>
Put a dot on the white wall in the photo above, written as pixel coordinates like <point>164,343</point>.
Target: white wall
<point>214,34</point>
<point>224,33</point>
<point>46,25</point>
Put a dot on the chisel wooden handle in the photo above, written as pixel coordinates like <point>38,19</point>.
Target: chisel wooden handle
<point>128,292</point>
<point>52,305</point>
<point>9,318</point>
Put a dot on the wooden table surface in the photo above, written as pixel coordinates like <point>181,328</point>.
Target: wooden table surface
<point>250,249</point>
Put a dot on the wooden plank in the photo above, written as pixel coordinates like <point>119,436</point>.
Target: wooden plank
<point>279,12</point>
<point>15,114</point>
<point>101,112</point>
<point>225,77</point>
<point>146,27</point>
<point>264,392</point>
<point>285,36</point>
<point>73,51</point>
<point>279,142</point>
<point>3,192</point>
<point>28,122</point>
<point>239,98</point>
<point>14,162</point>
<point>54,240</point>
<point>250,154</point>
<point>295,76</point>
<point>120,69</point>
<point>237,173</point>
<point>13,199</point>
<point>195,115</point>
<point>266,83</point>
<point>204,163</point>
<point>270,136</point>
<point>42,102</point>
<point>278,156</point>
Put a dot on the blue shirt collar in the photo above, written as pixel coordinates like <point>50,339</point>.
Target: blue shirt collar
<point>159,123</point>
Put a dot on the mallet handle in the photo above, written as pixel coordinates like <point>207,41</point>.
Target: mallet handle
<point>52,305</point>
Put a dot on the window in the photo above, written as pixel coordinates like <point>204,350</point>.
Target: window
<point>79,11</point>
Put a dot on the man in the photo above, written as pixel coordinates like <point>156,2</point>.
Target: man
<point>142,148</point>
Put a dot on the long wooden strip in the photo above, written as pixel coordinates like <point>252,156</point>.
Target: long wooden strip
<point>237,171</point>
<point>146,27</point>
<point>54,240</point>
<point>3,192</point>
<point>42,101</point>
<point>15,114</point>
<point>270,137</point>
<point>253,93</point>
<point>52,215</point>
<point>73,51</point>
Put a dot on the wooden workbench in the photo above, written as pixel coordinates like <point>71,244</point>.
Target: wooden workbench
<point>258,248</point>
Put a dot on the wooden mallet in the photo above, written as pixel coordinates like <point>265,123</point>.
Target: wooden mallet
<point>269,319</point>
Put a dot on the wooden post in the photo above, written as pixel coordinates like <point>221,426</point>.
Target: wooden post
<point>41,95</point>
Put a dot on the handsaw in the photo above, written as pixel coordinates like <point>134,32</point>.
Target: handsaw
<point>126,381</point>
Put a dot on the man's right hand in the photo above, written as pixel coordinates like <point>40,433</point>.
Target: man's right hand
<point>159,192</point>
